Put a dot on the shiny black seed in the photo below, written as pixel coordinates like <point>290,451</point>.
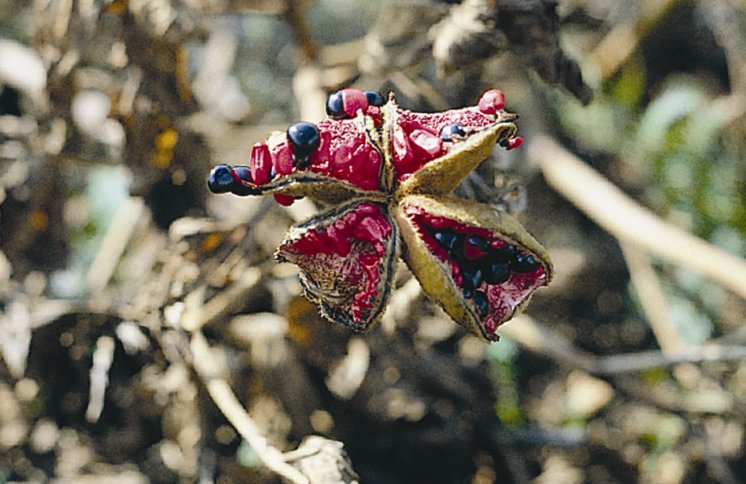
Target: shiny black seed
<point>301,163</point>
<point>304,139</point>
<point>523,263</point>
<point>220,179</point>
<point>496,272</point>
<point>450,241</point>
<point>244,173</point>
<point>506,253</point>
<point>374,98</point>
<point>472,276</point>
<point>478,241</point>
<point>452,132</point>
<point>481,303</point>
<point>335,105</point>
<point>474,247</point>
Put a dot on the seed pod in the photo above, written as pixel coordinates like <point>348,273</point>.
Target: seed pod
<point>332,161</point>
<point>428,153</point>
<point>483,292</point>
<point>347,258</point>
<point>387,172</point>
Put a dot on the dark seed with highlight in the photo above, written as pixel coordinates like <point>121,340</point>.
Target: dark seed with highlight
<point>447,239</point>
<point>506,253</point>
<point>452,132</point>
<point>523,264</point>
<point>481,303</point>
<point>304,139</point>
<point>472,276</point>
<point>335,106</point>
<point>496,272</point>
<point>374,98</point>
<point>220,179</point>
<point>244,174</point>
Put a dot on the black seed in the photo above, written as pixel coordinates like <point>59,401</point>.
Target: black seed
<point>506,253</point>
<point>304,139</point>
<point>301,163</point>
<point>244,173</point>
<point>472,242</point>
<point>478,241</point>
<point>450,241</point>
<point>496,272</point>
<point>220,179</point>
<point>452,132</point>
<point>481,303</point>
<point>523,263</point>
<point>374,98</point>
<point>472,275</point>
<point>335,105</point>
<point>467,290</point>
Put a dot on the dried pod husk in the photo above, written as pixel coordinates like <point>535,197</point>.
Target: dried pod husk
<point>478,263</point>
<point>345,162</point>
<point>432,152</point>
<point>347,257</point>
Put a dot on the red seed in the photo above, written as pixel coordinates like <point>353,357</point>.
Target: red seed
<point>284,200</point>
<point>491,101</point>
<point>260,164</point>
<point>514,143</point>
<point>354,100</point>
<point>282,158</point>
<point>426,143</point>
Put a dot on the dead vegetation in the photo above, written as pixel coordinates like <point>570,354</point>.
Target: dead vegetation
<point>146,333</point>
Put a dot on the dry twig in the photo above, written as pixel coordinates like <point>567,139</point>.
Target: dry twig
<point>629,221</point>
<point>209,371</point>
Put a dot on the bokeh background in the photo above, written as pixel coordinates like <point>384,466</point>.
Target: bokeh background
<point>147,335</point>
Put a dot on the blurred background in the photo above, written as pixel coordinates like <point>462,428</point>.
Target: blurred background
<point>147,335</point>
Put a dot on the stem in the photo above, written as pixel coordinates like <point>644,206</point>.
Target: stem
<point>208,368</point>
<point>629,221</point>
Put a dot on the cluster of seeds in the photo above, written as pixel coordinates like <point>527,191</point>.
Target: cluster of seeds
<point>345,250</point>
<point>477,259</point>
<point>365,161</point>
<point>302,149</point>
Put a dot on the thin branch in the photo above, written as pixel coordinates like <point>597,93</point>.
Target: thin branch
<point>109,253</point>
<point>209,370</point>
<point>629,221</point>
<point>222,303</point>
<point>543,340</point>
<point>653,301</point>
<point>540,339</point>
<point>645,360</point>
<point>625,37</point>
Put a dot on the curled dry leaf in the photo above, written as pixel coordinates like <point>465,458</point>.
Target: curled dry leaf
<point>386,173</point>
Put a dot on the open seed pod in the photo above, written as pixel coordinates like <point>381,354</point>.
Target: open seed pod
<point>432,152</point>
<point>372,161</point>
<point>347,258</point>
<point>478,263</point>
<point>331,161</point>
